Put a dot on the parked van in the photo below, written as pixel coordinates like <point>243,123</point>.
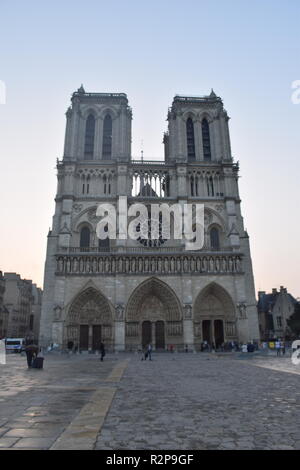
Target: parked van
<point>16,345</point>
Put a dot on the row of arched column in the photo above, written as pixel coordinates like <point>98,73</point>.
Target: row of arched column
<point>154,310</point>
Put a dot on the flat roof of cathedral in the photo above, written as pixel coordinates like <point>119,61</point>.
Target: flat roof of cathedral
<point>196,99</point>
<point>81,93</point>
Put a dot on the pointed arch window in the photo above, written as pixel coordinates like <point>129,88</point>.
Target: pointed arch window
<point>206,140</point>
<point>85,236</point>
<point>107,138</point>
<point>89,138</point>
<point>214,239</point>
<point>190,137</point>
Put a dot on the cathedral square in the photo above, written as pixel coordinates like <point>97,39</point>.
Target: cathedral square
<point>148,322</point>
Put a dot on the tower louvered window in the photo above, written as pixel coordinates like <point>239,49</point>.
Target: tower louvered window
<point>89,138</point>
<point>107,138</point>
<point>190,139</point>
<point>206,140</point>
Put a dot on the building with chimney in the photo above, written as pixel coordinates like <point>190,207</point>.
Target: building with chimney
<point>22,300</point>
<point>274,309</point>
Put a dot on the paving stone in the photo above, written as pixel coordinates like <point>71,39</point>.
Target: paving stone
<point>220,403</point>
<point>31,432</point>
<point>6,442</point>
<point>175,402</point>
<point>34,443</point>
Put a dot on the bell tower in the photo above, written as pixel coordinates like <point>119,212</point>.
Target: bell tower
<point>197,130</point>
<point>98,127</point>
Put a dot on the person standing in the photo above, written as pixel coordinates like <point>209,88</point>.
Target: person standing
<point>277,347</point>
<point>31,352</point>
<point>102,351</point>
<point>148,352</point>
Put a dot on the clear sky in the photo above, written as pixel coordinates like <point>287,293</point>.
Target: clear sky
<point>247,51</point>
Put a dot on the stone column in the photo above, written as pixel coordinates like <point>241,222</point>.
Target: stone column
<point>68,133</point>
<point>213,140</point>
<point>182,180</point>
<point>188,330</point>
<point>97,140</point>
<point>242,323</point>
<point>198,140</point>
<point>153,335</point>
<point>225,136</point>
<point>181,137</point>
<point>119,336</point>
<point>57,332</point>
<point>74,128</point>
<point>217,133</point>
<point>90,347</point>
<point>119,327</point>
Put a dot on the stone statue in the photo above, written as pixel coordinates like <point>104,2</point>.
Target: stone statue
<point>187,311</point>
<point>242,310</point>
<point>120,309</point>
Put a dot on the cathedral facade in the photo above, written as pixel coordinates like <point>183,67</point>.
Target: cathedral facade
<point>128,293</point>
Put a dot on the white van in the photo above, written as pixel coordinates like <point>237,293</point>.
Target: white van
<point>16,345</point>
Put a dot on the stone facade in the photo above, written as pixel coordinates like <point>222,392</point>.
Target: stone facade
<point>274,310</point>
<point>130,292</point>
<point>22,301</point>
<point>36,309</point>
<point>3,309</point>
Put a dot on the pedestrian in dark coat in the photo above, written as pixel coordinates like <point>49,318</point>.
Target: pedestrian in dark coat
<point>102,351</point>
<point>31,352</point>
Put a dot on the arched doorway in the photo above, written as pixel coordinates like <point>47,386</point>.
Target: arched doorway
<point>153,315</point>
<point>89,321</point>
<point>214,317</point>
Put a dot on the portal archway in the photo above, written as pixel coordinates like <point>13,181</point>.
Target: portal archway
<point>214,316</point>
<point>89,321</point>
<point>153,315</point>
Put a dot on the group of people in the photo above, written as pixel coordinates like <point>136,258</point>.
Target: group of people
<point>228,346</point>
<point>280,347</point>
<point>147,353</point>
<point>74,348</point>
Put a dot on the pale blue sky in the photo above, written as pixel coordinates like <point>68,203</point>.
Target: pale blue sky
<point>247,51</point>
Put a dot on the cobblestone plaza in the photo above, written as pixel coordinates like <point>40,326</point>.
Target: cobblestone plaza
<point>176,401</point>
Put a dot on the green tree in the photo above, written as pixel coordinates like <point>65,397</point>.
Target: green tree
<point>294,321</point>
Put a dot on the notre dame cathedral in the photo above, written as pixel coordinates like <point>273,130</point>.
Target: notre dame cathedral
<point>128,293</point>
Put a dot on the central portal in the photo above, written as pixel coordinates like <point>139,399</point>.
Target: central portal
<point>153,316</point>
